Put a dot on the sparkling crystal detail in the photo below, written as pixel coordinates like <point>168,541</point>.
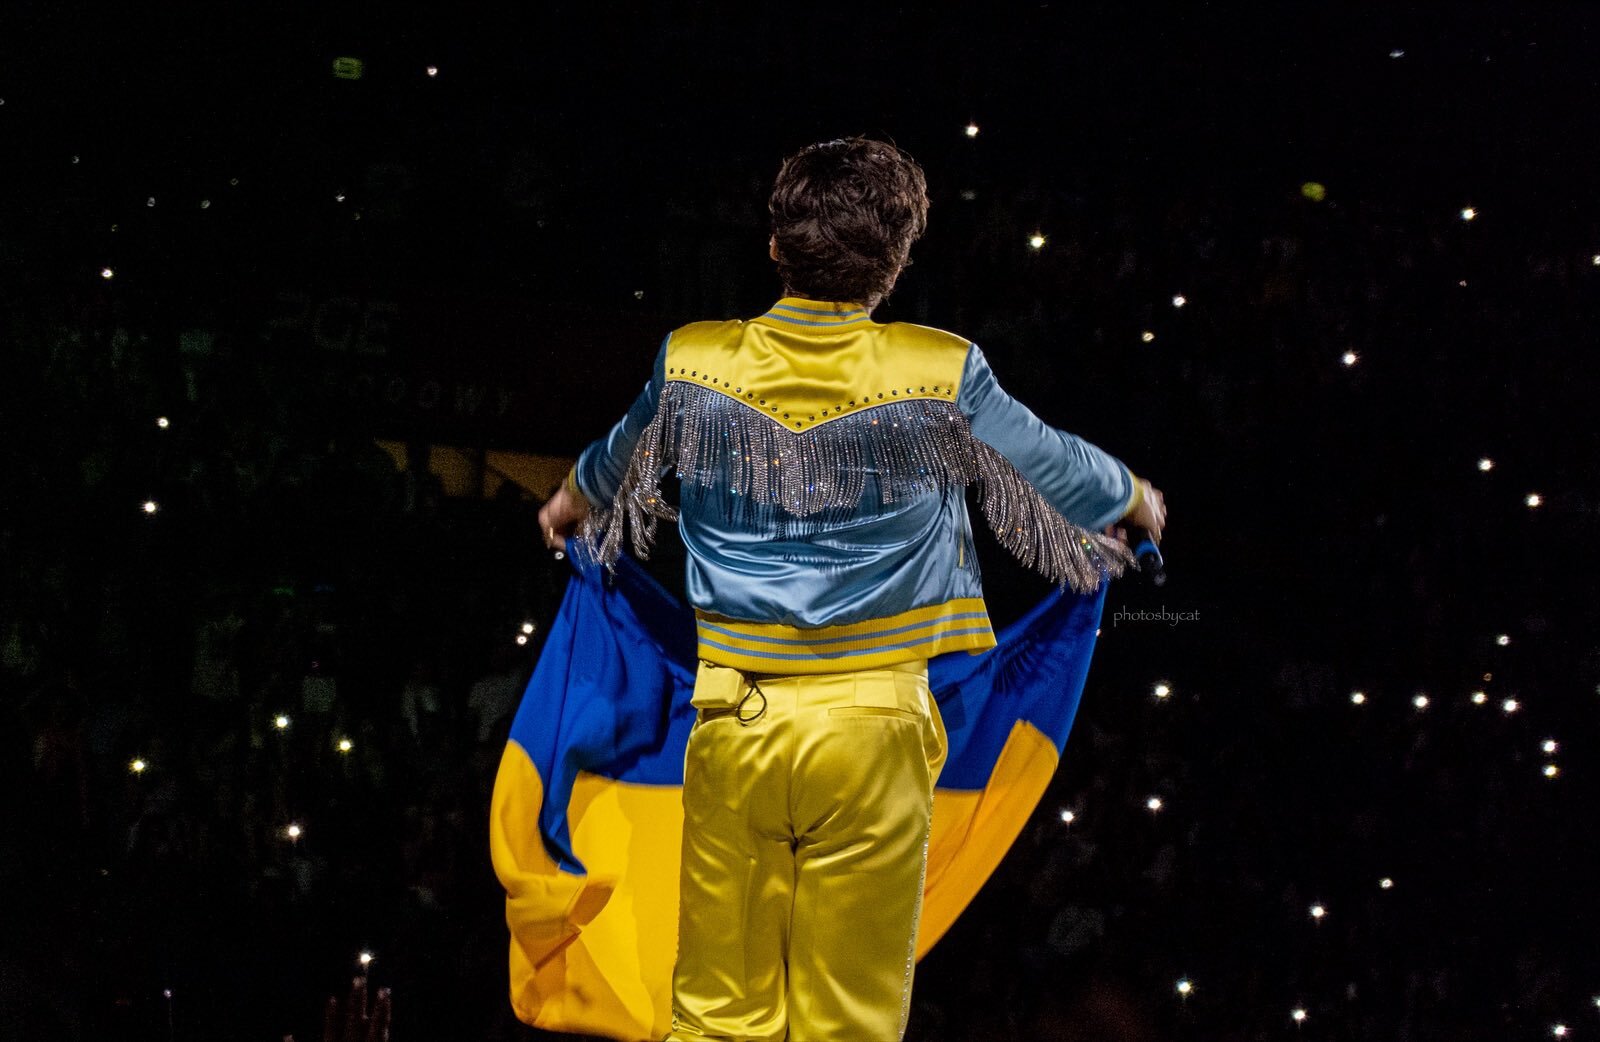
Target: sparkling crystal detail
<point>794,484</point>
<point>916,922</point>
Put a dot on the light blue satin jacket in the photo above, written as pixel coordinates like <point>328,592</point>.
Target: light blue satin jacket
<point>823,459</point>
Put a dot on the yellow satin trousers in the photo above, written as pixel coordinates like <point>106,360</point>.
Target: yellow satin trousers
<point>807,802</point>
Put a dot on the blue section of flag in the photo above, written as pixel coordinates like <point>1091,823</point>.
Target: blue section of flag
<point>610,693</point>
<point>1035,672</point>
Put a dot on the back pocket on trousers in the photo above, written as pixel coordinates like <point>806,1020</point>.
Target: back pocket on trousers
<point>889,711</point>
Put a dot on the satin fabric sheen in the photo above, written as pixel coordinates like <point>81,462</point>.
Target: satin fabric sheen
<point>807,807</point>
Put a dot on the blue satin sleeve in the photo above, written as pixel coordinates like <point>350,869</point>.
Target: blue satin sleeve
<point>604,463</point>
<point>1088,486</point>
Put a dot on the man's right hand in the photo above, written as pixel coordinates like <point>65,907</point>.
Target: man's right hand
<point>1150,514</point>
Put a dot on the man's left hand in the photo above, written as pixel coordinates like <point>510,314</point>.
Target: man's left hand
<point>560,517</point>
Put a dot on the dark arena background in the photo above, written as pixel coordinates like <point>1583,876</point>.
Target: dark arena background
<point>306,309</point>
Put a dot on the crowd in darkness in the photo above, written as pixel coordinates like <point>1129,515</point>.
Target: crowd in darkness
<point>1328,524</point>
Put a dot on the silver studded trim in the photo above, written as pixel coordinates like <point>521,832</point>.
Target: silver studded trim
<point>916,925</point>
<point>792,483</point>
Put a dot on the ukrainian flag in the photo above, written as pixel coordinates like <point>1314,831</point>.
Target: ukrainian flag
<point>586,820</point>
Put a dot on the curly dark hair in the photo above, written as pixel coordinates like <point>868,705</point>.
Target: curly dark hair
<point>844,216</point>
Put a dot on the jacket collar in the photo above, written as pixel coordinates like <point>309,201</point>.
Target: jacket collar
<point>799,315</point>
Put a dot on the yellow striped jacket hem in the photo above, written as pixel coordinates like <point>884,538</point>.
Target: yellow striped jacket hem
<point>760,647</point>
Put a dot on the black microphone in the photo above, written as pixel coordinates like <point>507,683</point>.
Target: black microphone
<point>1151,566</point>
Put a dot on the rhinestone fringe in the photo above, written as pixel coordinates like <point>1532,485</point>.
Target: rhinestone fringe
<point>793,483</point>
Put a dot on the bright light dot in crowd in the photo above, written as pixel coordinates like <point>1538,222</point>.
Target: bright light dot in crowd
<point>233,181</point>
<point>1595,260</point>
<point>1549,745</point>
<point>972,130</point>
<point>1147,336</point>
<point>365,958</point>
<point>106,273</point>
<point>1317,911</point>
<point>1349,358</point>
<point>1068,817</point>
<point>1153,803</point>
<point>1179,301</point>
<point>1486,464</point>
<point>1097,633</point>
<point>1299,1015</point>
<point>150,506</point>
<point>280,722</point>
<point>1036,241</point>
<point>433,70</point>
<point>1510,705</point>
<point>968,194</point>
<point>1386,883</point>
<point>1420,701</point>
<point>345,745</point>
<point>1468,213</point>
<point>1397,53</point>
<point>1162,690</point>
<point>339,198</point>
<point>1479,698</point>
<point>1503,639</point>
<point>522,638</point>
<point>1358,698</point>
<point>137,766</point>
<point>150,201</point>
<point>1462,284</point>
<point>1534,499</point>
<point>1184,988</point>
<point>293,832</point>
<point>1559,1031</point>
<point>1551,770</point>
<point>161,421</point>
<point>527,627</point>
